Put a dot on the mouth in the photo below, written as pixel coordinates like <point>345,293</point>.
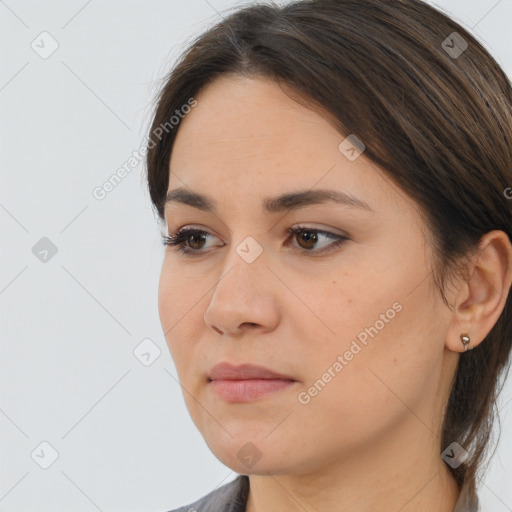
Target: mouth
<point>245,383</point>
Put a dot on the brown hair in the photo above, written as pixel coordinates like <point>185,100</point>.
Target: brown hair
<point>438,123</point>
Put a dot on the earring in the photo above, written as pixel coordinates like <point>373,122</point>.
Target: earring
<point>464,338</point>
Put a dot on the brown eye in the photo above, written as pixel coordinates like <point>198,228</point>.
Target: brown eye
<point>309,237</point>
<point>308,240</point>
<point>188,240</point>
<point>195,238</point>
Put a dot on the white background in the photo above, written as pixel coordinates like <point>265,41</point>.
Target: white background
<point>69,326</point>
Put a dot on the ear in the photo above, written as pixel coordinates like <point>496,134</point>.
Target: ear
<point>480,300</point>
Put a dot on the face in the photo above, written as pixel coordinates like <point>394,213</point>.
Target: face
<point>344,308</point>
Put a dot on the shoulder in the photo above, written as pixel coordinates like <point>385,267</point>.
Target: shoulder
<point>230,497</point>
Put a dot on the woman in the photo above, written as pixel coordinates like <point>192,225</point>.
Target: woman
<point>335,181</point>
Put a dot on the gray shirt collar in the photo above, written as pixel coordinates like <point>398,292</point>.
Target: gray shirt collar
<point>232,497</point>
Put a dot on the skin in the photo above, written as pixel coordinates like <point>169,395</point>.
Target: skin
<point>370,439</point>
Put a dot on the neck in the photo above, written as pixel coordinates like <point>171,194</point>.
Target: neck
<point>394,477</point>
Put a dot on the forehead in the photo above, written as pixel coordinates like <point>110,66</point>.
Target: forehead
<point>244,126</point>
<point>247,139</point>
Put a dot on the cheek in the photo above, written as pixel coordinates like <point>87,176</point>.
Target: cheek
<point>376,389</point>
<point>167,290</point>
<point>389,339</point>
<point>176,304</point>
<point>180,316</point>
<point>391,359</point>
<point>347,305</point>
<point>181,309</point>
<point>178,295</point>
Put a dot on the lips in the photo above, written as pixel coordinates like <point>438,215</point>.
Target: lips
<point>247,382</point>
<point>227,371</point>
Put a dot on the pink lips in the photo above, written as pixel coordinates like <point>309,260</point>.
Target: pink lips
<point>246,382</point>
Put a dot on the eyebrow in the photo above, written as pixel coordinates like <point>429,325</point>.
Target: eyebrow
<point>285,202</point>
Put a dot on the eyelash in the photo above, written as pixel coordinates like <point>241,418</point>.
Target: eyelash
<point>178,241</point>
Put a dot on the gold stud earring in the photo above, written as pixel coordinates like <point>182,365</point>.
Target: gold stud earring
<point>464,338</point>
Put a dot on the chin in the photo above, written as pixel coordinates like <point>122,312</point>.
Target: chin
<point>251,455</point>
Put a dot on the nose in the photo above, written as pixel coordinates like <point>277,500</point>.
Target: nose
<point>245,298</point>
